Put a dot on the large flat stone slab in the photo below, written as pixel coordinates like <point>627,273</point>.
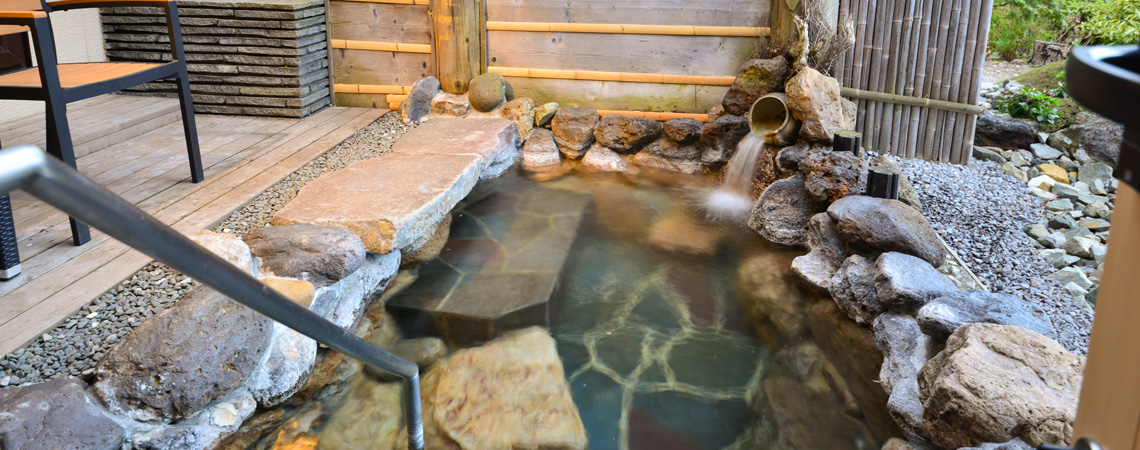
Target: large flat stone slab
<point>499,269</point>
<point>390,202</point>
<point>486,138</point>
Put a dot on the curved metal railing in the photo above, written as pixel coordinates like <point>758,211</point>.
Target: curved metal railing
<point>33,170</point>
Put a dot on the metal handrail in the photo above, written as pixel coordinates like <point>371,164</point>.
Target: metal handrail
<point>43,176</point>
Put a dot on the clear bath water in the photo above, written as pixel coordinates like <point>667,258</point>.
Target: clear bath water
<point>674,332</point>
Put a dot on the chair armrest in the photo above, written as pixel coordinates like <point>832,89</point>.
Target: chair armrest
<point>21,17</point>
<point>63,5</point>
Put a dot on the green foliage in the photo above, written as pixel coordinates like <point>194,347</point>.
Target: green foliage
<point>1110,22</point>
<point>1017,23</point>
<point>1032,103</point>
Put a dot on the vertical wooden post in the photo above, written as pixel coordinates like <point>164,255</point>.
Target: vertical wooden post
<point>1109,410</point>
<point>460,37</point>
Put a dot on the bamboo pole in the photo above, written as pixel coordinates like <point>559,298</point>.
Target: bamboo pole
<point>459,33</point>
<point>904,122</point>
<point>962,48</point>
<point>894,53</point>
<point>858,73</point>
<point>898,133</point>
<point>953,47</point>
<point>841,63</point>
<point>917,88</point>
<point>935,117</point>
<point>659,116</point>
<point>882,128</point>
<point>983,18</point>
<point>963,94</point>
<point>874,72</point>
<point>633,77</point>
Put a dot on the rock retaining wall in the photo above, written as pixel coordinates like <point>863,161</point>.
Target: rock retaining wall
<point>262,57</point>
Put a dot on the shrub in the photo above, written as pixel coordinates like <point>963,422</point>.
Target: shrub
<point>1032,103</point>
<point>1110,22</point>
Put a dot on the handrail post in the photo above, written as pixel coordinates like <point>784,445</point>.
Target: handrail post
<point>46,178</point>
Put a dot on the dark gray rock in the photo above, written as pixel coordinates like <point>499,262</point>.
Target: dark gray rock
<point>947,313</point>
<point>788,159</point>
<point>171,437</point>
<point>418,104</point>
<point>906,283</point>
<point>625,134</point>
<point>987,154</point>
<point>487,91</point>
<point>757,77</point>
<point>882,225</point>
<point>1099,136</point>
<point>182,359</point>
<point>853,289</point>
<point>573,130</point>
<point>719,139</point>
<point>830,176</point>
<point>992,130</point>
<point>1095,171</point>
<point>318,254</point>
<point>827,253</point>
<point>55,415</point>
<point>670,149</point>
<point>683,130</point>
<point>782,213</point>
<point>905,350</point>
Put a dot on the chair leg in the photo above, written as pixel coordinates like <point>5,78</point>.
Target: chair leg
<point>9,249</point>
<point>189,128</point>
<point>59,145</point>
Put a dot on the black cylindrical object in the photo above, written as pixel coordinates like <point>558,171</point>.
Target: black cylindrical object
<point>9,250</point>
<point>883,183</point>
<point>848,141</point>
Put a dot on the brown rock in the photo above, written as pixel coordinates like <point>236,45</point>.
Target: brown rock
<point>182,359</point>
<point>625,134</point>
<point>757,77</point>
<point>487,91</point>
<point>773,305</point>
<point>541,150</point>
<point>299,291</point>
<point>683,130</point>
<point>719,139</point>
<point>603,159</point>
<point>830,176</point>
<point>390,202</point>
<point>446,104</point>
<point>321,255</point>
<point>993,383</point>
<point>574,130</point>
<point>510,393</point>
<point>653,161</point>
<point>669,149</point>
<point>521,112</point>
<point>428,248</point>
<point>897,444</point>
<point>814,99</point>
<point>544,114</point>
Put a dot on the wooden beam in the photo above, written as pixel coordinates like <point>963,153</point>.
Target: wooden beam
<point>659,116</point>
<point>606,28</point>
<point>612,76</point>
<point>372,89</point>
<point>393,2</point>
<point>460,35</point>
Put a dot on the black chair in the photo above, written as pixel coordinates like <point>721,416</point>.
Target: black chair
<point>59,84</point>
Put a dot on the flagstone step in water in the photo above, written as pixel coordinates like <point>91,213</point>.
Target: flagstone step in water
<point>500,268</point>
<point>393,201</point>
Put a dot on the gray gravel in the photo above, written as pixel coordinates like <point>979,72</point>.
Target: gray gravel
<point>981,212</point>
<point>73,348</point>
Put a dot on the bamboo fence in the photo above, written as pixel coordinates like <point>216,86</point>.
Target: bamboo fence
<point>927,56</point>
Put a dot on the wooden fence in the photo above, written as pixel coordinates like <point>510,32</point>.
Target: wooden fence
<point>379,49</point>
<point>930,49</point>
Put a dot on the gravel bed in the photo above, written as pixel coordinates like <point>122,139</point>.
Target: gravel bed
<point>981,212</point>
<point>73,348</point>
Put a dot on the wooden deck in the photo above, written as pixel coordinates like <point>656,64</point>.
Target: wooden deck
<point>135,147</point>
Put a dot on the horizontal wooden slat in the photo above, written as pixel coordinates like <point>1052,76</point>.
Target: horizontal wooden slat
<point>381,46</point>
<point>393,2</point>
<point>737,13</point>
<point>74,75</point>
<point>611,76</point>
<point>379,22</point>
<point>619,95</point>
<point>365,67</point>
<point>680,30</point>
<point>661,116</point>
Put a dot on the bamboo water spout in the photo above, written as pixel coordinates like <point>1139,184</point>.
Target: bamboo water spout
<point>770,117</point>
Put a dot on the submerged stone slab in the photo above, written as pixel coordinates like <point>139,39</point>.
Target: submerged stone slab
<point>485,138</point>
<point>483,285</point>
<point>390,202</point>
<point>55,415</point>
<point>511,393</point>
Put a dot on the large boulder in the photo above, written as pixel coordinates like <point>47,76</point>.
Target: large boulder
<point>487,91</point>
<point>509,393</point>
<point>719,139</point>
<point>814,99</point>
<point>318,254</point>
<point>625,134</point>
<point>906,283</point>
<point>830,176</point>
<point>182,359</point>
<point>1099,136</point>
<point>418,105</point>
<point>827,253</point>
<point>683,130</point>
<point>994,383</point>
<point>55,415</point>
<point>541,150</point>
<point>782,213</point>
<point>945,314</point>
<point>573,130</point>
<point>992,130</point>
<point>757,77</point>
<point>853,289</point>
<point>905,350</point>
<point>883,225</point>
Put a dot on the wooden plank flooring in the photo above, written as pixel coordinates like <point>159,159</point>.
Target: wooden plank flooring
<point>132,146</point>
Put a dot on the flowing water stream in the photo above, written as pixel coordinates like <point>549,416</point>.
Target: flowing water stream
<point>732,201</point>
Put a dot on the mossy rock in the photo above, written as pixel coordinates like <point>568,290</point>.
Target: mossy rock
<point>486,92</point>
